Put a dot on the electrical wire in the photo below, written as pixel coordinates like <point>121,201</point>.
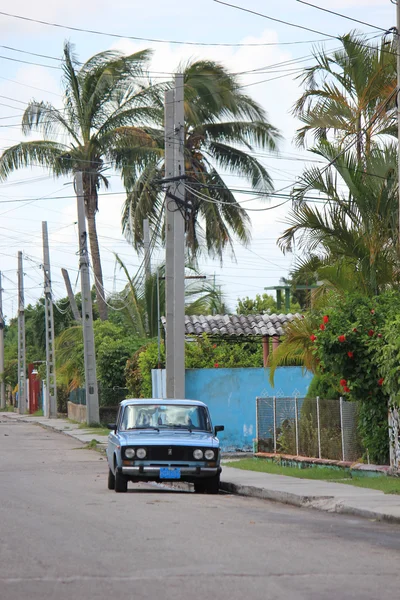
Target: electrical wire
<point>144,39</point>
<point>332,12</point>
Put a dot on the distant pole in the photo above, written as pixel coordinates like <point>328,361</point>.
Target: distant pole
<point>21,340</point>
<point>92,398</point>
<point>71,297</point>
<point>146,244</point>
<point>2,384</point>
<point>51,385</point>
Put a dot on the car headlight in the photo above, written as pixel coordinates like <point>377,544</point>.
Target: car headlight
<point>129,453</point>
<point>198,454</point>
<point>141,452</point>
<point>209,454</point>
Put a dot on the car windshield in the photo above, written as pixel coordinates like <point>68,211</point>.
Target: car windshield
<point>161,416</point>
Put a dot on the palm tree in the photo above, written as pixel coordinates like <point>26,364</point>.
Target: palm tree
<point>350,94</point>
<point>222,124</point>
<point>108,105</point>
<point>352,239</point>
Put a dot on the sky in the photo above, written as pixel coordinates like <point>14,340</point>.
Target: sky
<point>31,196</point>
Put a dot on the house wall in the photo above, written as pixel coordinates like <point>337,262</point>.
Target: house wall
<point>231,396</point>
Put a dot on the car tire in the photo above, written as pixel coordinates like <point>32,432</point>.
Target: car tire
<point>111,480</point>
<point>199,487</point>
<point>121,483</point>
<point>211,485</point>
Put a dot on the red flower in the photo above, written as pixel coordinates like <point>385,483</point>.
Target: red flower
<point>350,354</point>
<point>355,330</point>
<point>379,335</point>
<point>313,337</point>
<point>325,319</point>
<point>322,327</point>
<point>343,382</point>
<point>216,365</point>
<point>380,381</point>
<point>346,389</point>
<point>372,312</point>
<point>371,332</point>
<point>214,345</point>
<point>342,338</point>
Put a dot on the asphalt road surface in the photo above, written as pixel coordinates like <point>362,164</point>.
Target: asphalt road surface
<point>64,536</point>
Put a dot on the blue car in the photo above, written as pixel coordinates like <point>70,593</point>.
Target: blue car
<point>164,440</point>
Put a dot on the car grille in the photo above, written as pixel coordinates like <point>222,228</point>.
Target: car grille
<point>170,453</point>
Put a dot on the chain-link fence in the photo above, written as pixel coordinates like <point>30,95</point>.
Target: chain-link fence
<point>312,427</point>
<point>107,396</point>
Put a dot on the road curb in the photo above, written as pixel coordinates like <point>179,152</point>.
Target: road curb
<point>322,503</point>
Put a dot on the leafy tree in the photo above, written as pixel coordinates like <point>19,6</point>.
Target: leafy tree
<point>261,304</point>
<point>107,107</point>
<point>351,240</point>
<point>222,124</point>
<point>137,305</point>
<point>113,348</point>
<point>350,94</point>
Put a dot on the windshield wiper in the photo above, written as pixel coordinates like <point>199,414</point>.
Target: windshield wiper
<point>143,427</point>
<point>181,427</point>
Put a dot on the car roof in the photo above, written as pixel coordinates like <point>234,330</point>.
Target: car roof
<point>164,401</point>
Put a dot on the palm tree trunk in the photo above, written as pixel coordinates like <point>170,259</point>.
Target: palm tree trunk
<point>91,203</point>
<point>96,263</point>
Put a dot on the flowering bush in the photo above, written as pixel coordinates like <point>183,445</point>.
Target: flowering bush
<point>349,346</point>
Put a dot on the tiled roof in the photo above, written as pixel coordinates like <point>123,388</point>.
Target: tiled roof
<point>236,325</point>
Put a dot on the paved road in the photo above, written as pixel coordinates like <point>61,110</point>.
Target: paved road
<point>64,536</point>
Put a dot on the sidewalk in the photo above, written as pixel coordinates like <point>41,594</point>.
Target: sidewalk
<point>307,493</point>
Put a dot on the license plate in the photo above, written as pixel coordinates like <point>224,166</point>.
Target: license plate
<point>168,473</point>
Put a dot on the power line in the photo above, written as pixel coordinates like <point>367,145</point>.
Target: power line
<point>332,12</point>
<point>144,39</point>
<point>258,14</point>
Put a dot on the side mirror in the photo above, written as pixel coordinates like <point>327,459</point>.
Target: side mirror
<point>218,428</point>
<point>112,426</point>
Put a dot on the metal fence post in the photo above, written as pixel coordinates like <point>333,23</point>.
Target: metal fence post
<point>341,427</point>
<point>274,408</point>
<point>319,430</point>
<point>297,425</point>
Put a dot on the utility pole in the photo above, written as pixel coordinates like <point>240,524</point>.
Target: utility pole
<point>175,239</point>
<point>92,397</point>
<point>51,385</point>
<point>397,103</point>
<point>146,244</point>
<point>21,340</point>
<point>71,297</point>
<point>2,384</point>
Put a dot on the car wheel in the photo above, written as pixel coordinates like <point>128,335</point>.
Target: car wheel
<point>212,485</point>
<point>199,487</point>
<point>121,483</point>
<point>111,480</point>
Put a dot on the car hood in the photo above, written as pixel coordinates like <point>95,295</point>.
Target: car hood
<point>168,438</point>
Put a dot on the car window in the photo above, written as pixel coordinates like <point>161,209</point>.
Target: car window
<point>165,416</point>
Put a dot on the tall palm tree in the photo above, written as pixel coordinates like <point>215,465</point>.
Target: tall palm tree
<point>107,106</point>
<point>350,94</point>
<point>222,125</point>
<point>351,237</point>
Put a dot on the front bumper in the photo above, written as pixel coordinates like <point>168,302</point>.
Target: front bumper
<point>148,472</point>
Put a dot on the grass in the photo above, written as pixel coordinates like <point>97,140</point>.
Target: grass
<point>37,413</point>
<point>8,408</point>
<point>98,428</point>
<point>384,483</point>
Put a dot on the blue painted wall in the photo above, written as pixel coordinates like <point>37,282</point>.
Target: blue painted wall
<point>231,397</point>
